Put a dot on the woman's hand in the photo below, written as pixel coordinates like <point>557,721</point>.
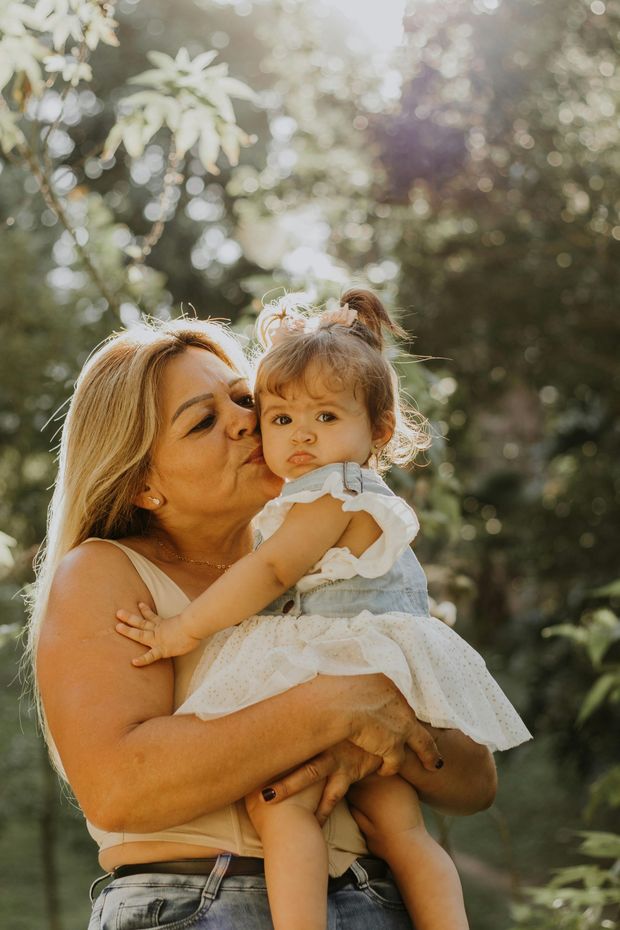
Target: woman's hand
<point>340,766</point>
<point>384,725</point>
<point>383,729</point>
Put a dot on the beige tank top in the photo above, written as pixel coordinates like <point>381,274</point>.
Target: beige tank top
<point>229,828</point>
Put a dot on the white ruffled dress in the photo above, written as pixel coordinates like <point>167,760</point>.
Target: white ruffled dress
<point>352,616</point>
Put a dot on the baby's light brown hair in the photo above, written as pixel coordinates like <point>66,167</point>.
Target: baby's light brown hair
<point>345,356</point>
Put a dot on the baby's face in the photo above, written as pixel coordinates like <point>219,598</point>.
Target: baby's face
<point>303,431</point>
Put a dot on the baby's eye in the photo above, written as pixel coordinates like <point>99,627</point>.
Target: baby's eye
<point>281,420</point>
<point>325,417</point>
<point>205,423</point>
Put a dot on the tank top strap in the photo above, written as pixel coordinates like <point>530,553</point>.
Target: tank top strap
<point>168,597</point>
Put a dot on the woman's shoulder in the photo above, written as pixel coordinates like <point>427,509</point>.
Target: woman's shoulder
<point>89,585</point>
<point>91,567</point>
<point>94,552</point>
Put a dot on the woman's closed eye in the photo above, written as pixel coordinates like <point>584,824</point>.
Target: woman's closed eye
<point>206,423</point>
<point>246,400</point>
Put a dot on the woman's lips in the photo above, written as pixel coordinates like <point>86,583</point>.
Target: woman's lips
<point>255,457</point>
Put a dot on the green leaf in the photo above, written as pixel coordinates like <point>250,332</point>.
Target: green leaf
<point>599,844</point>
<point>113,140</point>
<point>201,61</point>
<point>603,629</point>
<point>568,630</point>
<point>209,148</point>
<point>608,590</point>
<point>237,89</point>
<point>187,131</point>
<point>605,790</point>
<point>220,101</point>
<point>6,544</point>
<point>229,139</point>
<point>598,693</point>
<point>590,875</point>
<point>133,137</point>
<point>163,61</point>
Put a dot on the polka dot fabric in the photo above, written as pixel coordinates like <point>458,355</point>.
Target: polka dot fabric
<point>328,631</point>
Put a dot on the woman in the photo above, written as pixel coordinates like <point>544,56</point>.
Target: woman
<point>160,474</point>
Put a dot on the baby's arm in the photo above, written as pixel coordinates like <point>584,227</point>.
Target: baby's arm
<point>307,532</point>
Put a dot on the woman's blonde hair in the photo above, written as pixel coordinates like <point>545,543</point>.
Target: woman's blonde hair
<point>107,439</point>
<point>350,353</point>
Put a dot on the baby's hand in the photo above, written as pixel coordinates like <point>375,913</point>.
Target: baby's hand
<point>165,638</point>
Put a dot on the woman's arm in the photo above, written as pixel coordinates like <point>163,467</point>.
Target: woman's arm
<point>133,766</point>
<point>467,782</point>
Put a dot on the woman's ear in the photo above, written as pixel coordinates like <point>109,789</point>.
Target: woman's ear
<point>149,499</point>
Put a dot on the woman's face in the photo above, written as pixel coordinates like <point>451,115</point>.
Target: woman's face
<point>207,460</point>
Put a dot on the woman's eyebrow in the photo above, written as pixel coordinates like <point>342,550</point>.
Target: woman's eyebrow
<point>198,398</point>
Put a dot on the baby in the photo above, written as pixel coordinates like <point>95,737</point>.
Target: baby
<point>335,589</point>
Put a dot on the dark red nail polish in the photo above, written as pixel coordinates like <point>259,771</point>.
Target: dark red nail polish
<point>269,794</point>
<point>439,764</point>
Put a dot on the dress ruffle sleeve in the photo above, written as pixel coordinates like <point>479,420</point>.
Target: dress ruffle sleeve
<point>397,521</point>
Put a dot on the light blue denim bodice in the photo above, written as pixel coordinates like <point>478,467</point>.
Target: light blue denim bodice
<point>402,588</point>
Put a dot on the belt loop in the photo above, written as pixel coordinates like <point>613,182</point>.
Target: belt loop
<point>217,874</point>
<point>97,881</point>
<point>361,875</point>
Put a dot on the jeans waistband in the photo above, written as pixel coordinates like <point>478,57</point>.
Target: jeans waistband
<point>238,865</point>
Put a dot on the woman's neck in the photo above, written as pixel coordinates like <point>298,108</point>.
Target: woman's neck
<point>203,544</point>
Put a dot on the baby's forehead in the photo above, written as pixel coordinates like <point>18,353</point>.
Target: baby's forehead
<point>311,386</point>
<point>311,391</point>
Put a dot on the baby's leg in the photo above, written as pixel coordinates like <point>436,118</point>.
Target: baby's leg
<point>388,813</point>
<point>295,858</point>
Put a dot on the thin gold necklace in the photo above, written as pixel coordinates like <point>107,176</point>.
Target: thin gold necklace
<point>222,566</point>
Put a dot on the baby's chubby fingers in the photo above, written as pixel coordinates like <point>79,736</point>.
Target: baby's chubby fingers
<point>150,617</point>
<point>153,655</point>
<point>146,637</point>
<point>130,631</point>
<point>144,622</point>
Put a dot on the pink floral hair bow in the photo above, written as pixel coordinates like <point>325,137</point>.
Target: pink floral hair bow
<point>286,321</point>
<point>339,316</point>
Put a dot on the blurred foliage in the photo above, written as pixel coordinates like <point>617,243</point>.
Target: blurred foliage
<point>470,176</point>
<point>585,896</point>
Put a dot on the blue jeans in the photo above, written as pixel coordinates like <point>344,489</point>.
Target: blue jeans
<point>214,902</point>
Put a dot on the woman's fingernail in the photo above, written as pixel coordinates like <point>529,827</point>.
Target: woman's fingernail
<point>439,764</point>
<point>268,794</point>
